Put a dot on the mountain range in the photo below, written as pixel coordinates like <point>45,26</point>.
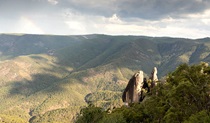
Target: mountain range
<point>48,78</point>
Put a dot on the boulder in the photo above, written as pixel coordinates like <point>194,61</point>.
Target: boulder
<point>132,91</point>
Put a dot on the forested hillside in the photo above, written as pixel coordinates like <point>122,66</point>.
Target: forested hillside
<point>45,78</point>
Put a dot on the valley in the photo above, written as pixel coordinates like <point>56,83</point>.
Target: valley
<point>48,78</point>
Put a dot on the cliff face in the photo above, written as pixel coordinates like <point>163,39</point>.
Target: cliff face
<point>132,91</point>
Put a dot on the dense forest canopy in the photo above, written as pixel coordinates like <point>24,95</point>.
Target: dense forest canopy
<point>184,97</point>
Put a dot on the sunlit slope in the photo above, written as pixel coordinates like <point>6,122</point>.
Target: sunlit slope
<point>38,86</point>
<point>34,84</point>
<point>48,78</point>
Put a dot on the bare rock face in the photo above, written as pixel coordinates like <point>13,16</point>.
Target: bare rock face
<point>154,74</point>
<point>154,77</point>
<point>140,78</point>
<point>132,91</point>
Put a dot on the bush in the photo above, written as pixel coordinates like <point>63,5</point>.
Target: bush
<point>183,98</point>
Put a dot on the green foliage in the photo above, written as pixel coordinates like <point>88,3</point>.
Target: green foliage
<point>105,99</point>
<point>113,118</point>
<point>42,75</point>
<point>183,98</point>
<point>188,92</point>
<point>90,114</point>
<point>64,115</point>
<point>200,117</point>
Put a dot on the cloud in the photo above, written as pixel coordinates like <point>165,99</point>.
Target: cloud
<point>176,18</point>
<point>53,2</point>
<point>28,26</point>
<point>115,19</point>
<point>76,27</point>
<point>144,9</point>
<point>126,9</point>
<point>157,9</point>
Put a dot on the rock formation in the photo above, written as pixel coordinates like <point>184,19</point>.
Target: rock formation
<point>132,91</point>
<point>145,89</point>
<point>138,86</point>
<point>154,77</point>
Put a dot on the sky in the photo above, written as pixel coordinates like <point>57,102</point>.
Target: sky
<point>173,18</point>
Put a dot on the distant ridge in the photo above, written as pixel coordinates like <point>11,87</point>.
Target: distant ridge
<point>42,76</point>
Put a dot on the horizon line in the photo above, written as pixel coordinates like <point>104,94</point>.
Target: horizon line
<point>22,34</point>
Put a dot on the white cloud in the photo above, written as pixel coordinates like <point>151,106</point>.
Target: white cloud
<point>87,24</point>
<point>115,19</point>
<point>76,27</point>
<point>25,25</point>
<point>63,20</point>
<point>53,2</point>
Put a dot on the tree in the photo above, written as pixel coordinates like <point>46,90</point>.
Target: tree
<point>184,97</point>
<point>90,114</point>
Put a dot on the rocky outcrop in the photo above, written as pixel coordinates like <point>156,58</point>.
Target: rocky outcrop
<point>138,86</point>
<point>132,91</point>
<point>153,77</point>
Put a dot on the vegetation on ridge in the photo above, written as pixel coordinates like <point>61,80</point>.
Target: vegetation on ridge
<point>184,97</point>
<point>42,76</point>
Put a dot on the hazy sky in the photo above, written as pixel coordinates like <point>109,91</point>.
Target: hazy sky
<point>175,18</point>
